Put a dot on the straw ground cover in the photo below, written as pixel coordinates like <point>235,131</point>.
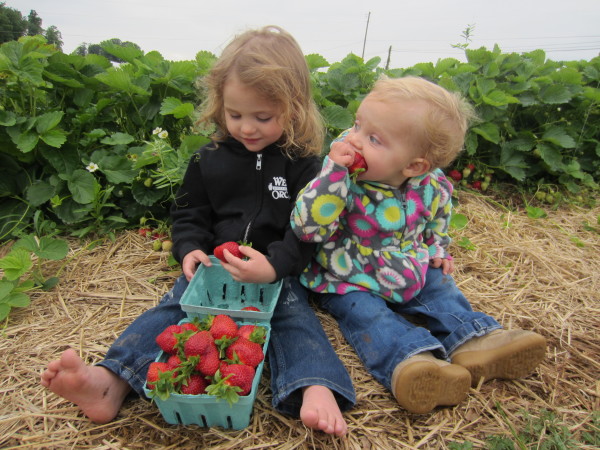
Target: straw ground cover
<point>538,274</point>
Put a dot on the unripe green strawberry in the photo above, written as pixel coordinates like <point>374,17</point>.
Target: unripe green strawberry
<point>167,245</point>
<point>157,246</point>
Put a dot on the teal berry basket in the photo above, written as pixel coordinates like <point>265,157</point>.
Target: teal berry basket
<point>208,410</point>
<point>213,291</point>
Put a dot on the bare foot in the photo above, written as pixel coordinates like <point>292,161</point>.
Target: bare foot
<point>97,391</point>
<point>321,412</point>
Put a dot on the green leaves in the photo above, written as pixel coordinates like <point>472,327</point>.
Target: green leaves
<point>20,262</point>
<point>172,105</point>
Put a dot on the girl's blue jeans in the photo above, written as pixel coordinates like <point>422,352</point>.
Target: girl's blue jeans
<point>299,353</point>
<point>383,337</point>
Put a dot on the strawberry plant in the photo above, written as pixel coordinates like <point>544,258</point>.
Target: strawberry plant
<point>22,270</point>
<point>97,147</point>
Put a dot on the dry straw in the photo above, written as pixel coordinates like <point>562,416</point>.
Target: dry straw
<point>537,274</point>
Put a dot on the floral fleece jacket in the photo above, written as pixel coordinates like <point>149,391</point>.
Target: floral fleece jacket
<point>372,237</point>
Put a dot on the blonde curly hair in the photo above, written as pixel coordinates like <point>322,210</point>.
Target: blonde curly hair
<point>447,116</point>
<point>271,61</point>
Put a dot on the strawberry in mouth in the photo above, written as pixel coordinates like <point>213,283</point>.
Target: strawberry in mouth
<point>358,166</point>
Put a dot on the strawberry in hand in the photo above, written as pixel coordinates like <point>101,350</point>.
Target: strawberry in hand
<point>358,166</point>
<point>233,247</point>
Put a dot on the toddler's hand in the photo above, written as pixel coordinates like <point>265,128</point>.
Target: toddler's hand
<point>342,153</point>
<point>255,269</point>
<point>191,260</point>
<point>447,264</point>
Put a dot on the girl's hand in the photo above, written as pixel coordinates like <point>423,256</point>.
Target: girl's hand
<point>447,264</point>
<point>191,260</point>
<point>256,269</point>
<point>342,153</point>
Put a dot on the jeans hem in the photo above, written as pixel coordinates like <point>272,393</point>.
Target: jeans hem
<point>469,331</point>
<point>127,374</point>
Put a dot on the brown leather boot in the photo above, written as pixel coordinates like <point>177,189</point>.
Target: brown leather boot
<point>507,354</point>
<point>422,382</point>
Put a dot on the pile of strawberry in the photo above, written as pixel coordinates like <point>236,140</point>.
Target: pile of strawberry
<point>472,178</point>
<point>160,238</point>
<point>213,356</point>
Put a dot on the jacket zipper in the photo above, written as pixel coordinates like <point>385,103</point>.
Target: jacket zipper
<point>259,158</point>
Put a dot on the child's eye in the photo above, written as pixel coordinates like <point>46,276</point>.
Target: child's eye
<point>264,119</point>
<point>234,116</point>
<point>374,140</point>
<point>356,126</point>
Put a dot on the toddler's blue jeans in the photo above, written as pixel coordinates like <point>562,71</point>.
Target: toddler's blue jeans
<point>382,336</point>
<point>299,353</point>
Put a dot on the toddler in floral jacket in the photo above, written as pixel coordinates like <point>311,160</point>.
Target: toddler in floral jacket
<point>382,230</point>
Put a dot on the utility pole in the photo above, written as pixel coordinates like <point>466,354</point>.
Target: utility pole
<point>366,30</point>
<point>387,63</point>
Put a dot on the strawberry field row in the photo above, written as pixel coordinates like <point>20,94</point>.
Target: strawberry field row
<point>92,147</point>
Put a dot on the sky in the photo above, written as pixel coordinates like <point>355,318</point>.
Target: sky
<point>406,32</point>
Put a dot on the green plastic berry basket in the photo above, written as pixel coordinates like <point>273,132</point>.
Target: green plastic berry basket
<point>213,291</point>
<point>208,410</point>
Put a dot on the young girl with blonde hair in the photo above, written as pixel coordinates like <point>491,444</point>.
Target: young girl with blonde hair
<point>268,132</point>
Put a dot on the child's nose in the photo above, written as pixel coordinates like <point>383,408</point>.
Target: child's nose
<point>247,128</point>
<point>354,140</point>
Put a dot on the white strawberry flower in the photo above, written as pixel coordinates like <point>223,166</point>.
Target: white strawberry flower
<point>163,134</point>
<point>157,130</point>
<point>92,167</point>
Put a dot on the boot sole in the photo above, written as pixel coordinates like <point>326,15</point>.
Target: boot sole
<point>514,360</point>
<point>423,385</point>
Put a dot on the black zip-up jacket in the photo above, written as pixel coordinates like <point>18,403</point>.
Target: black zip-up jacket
<point>232,194</point>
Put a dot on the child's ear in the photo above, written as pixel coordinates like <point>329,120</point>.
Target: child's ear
<point>417,166</point>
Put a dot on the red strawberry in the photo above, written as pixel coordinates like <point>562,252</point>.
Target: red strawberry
<point>246,352</point>
<point>358,165</point>
<point>154,371</point>
<point>254,333</point>
<point>173,362</point>
<point>250,308</point>
<point>167,339</point>
<point>198,344</point>
<point>144,232</point>
<point>189,326</point>
<point>233,247</point>
<point>477,185</point>
<point>194,385</point>
<point>455,175</point>
<point>223,326</point>
<point>209,361</point>
<point>238,375</point>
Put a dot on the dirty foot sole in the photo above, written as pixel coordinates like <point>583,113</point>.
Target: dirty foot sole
<point>516,359</point>
<point>423,385</point>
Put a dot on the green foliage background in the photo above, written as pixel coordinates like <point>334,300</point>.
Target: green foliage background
<point>60,113</point>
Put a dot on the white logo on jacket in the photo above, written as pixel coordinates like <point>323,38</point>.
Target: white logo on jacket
<point>278,188</point>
